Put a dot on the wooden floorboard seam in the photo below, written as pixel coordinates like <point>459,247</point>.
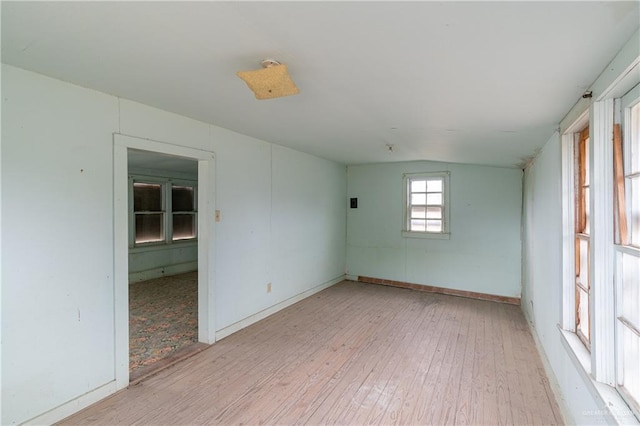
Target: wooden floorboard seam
<point>353,354</point>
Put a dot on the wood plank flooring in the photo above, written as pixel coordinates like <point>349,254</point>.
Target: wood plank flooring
<point>353,354</point>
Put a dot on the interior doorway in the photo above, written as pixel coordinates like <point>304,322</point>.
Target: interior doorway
<point>145,236</point>
<point>163,260</point>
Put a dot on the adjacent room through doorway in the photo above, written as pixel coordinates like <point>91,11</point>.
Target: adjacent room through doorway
<point>163,260</point>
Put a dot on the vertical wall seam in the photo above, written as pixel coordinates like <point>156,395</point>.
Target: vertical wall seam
<point>346,221</point>
<point>271,255</point>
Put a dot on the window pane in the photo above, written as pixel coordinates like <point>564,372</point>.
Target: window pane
<point>149,228</point>
<point>631,288</point>
<point>583,313</point>
<point>434,198</point>
<point>419,199</point>
<point>434,212</point>
<point>147,197</point>
<point>582,269</point>
<point>418,225</point>
<point>184,226</point>
<point>587,225</point>
<point>418,212</point>
<point>586,162</point>
<point>434,226</point>
<point>630,364</point>
<point>434,185</point>
<point>182,198</point>
<point>418,186</point>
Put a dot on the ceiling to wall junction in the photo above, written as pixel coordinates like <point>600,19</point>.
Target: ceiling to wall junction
<point>469,82</point>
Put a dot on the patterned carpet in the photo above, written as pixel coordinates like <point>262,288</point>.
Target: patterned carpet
<point>163,318</point>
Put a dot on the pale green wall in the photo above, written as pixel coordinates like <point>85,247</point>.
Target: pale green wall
<point>58,310</point>
<point>483,253</point>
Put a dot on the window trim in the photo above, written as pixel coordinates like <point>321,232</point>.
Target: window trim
<point>445,234</point>
<point>569,139</point>
<point>601,302</point>
<point>603,357</point>
<point>602,365</point>
<point>626,103</point>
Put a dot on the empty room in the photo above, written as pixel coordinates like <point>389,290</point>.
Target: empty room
<point>229,212</point>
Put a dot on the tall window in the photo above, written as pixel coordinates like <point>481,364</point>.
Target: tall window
<point>148,207</point>
<point>163,211</point>
<point>183,211</point>
<point>426,204</point>
<point>627,252</point>
<point>582,237</point>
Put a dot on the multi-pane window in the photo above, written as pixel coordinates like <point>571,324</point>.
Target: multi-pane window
<point>163,211</point>
<point>426,203</point>
<point>627,252</point>
<point>582,237</point>
<point>148,207</point>
<point>183,211</point>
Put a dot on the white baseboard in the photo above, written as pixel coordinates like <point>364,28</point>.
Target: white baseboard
<point>226,331</point>
<point>65,410</point>
<point>163,271</point>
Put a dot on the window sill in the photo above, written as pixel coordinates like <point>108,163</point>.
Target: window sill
<point>163,246</point>
<point>616,411</point>
<point>431,235</point>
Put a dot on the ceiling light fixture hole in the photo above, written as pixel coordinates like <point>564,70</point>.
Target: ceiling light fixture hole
<point>268,63</point>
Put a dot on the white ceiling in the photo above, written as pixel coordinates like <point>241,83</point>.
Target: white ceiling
<point>470,82</point>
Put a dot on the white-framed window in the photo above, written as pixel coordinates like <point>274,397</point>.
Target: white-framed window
<point>627,248</point>
<point>582,191</point>
<point>183,211</point>
<point>601,249</point>
<point>426,205</point>
<point>162,210</point>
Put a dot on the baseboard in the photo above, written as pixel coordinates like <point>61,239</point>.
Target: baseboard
<point>163,271</point>
<point>441,290</point>
<point>226,331</point>
<point>75,405</point>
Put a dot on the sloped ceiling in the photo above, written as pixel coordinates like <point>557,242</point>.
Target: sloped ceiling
<point>470,82</point>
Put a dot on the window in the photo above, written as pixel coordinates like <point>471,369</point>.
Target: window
<point>148,212</point>
<point>627,251</point>
<point>183,211</point>
<point>426,212</point>
<point>582,237</point>
<point>601,227</point>
<point>163,211</point>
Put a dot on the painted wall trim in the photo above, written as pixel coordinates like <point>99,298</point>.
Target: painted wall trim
<point>206,248</point>
<point>65,410</point>
<point>229,330</point>
<point>442,290</point>
<point>163,271</point>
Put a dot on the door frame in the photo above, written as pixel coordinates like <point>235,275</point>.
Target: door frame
<point>206,246</point>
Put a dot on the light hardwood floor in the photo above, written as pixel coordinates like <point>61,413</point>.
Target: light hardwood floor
<point>353,354</point>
